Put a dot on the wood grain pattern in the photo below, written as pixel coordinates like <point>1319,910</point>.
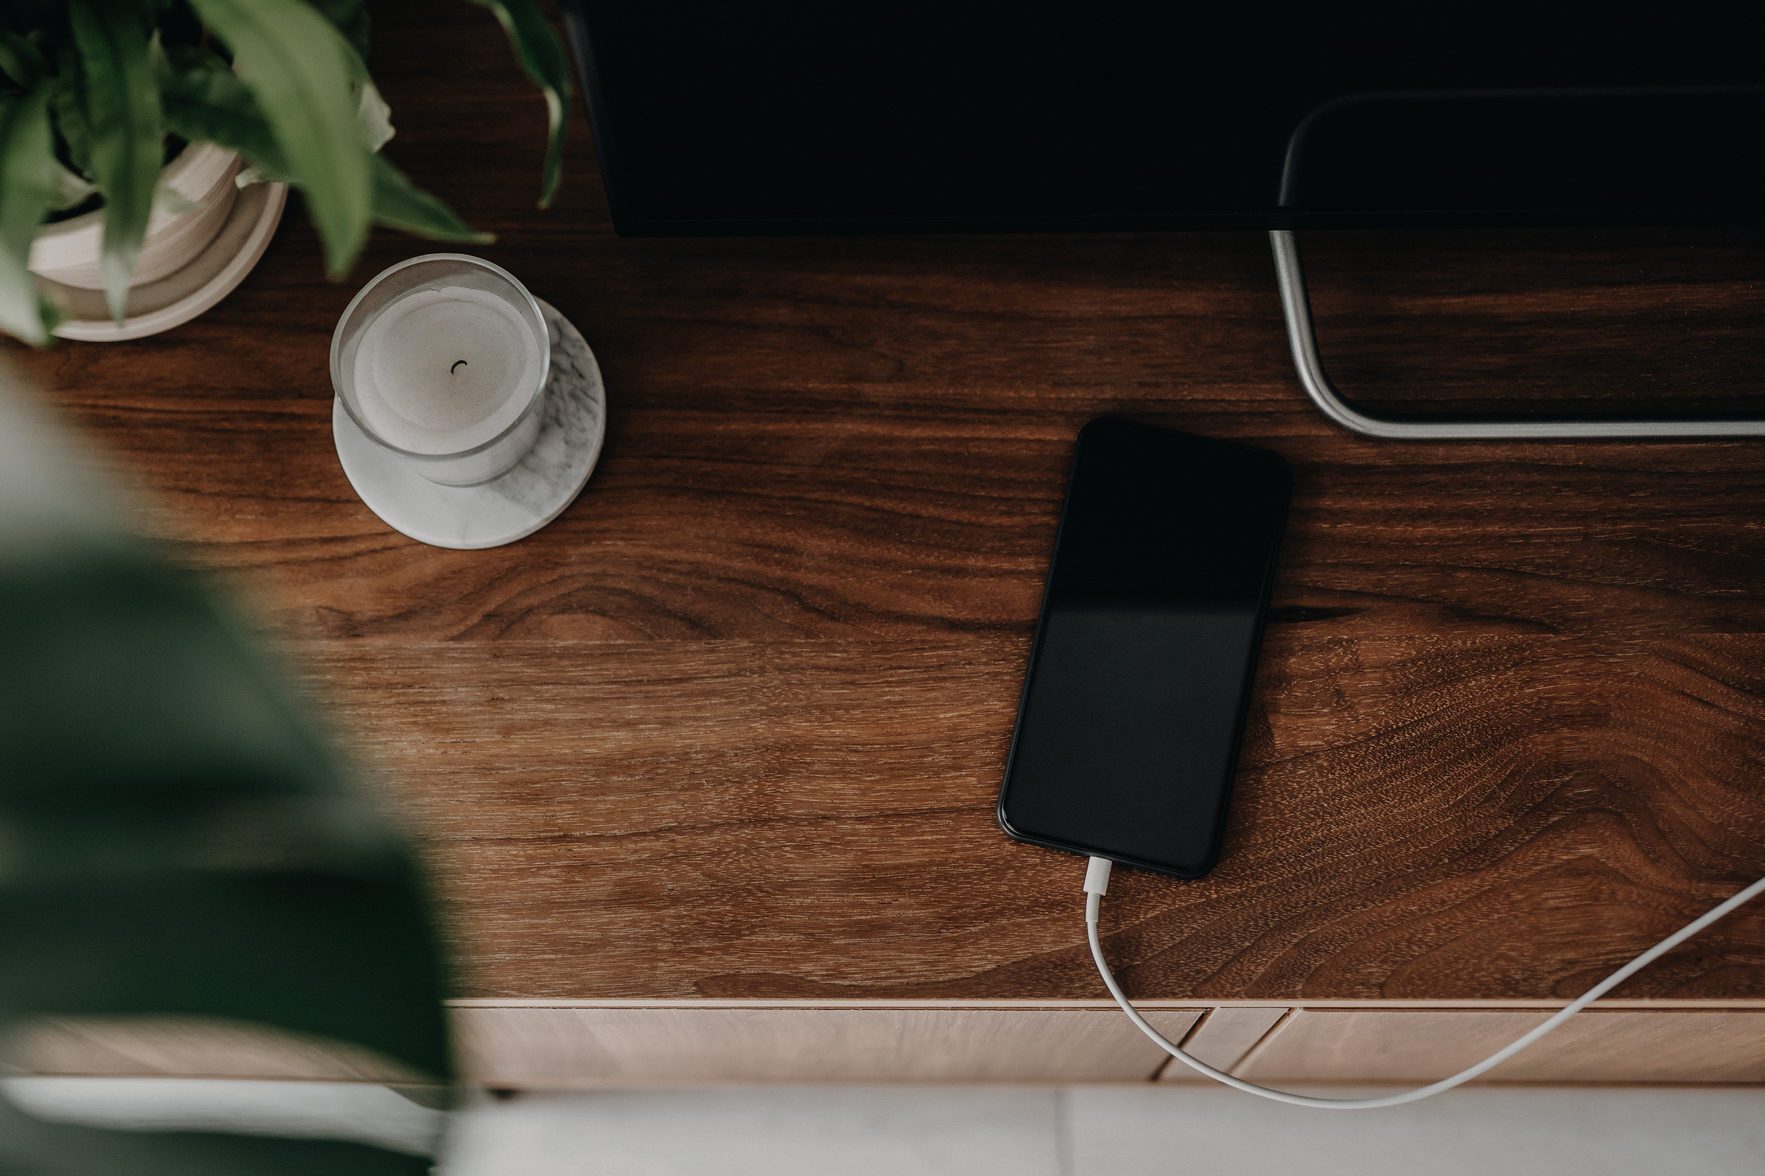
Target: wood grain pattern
<point>531,1048</point>
<point>1384,1045</point>
<point>1539,323</point>
<point>813,819</point>
<point>733,726</point>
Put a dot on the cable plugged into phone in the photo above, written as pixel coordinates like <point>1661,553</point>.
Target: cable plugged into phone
<point>1097,885</point>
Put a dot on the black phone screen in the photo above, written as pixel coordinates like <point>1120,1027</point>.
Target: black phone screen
<point>1139,679</point>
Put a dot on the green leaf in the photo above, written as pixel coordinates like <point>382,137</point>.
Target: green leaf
<point>206,101</point>
<point>71,188</point>
<point>400,204</point>
<point>542,58</point>
<point>40,1148</point>
<point>67,110</point>
<point>27,186</point>
<point>350,17</point>
<point>121,108</point>
<point>20,62</point>
<point>299,69</point>
<point>177,839</point>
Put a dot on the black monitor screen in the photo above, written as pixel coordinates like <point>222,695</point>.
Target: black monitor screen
<point>810,115</point>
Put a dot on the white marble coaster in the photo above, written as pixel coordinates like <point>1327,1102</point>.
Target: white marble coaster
<point>503,509</point>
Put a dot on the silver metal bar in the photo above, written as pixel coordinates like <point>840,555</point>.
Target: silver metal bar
<point>1302,337</point>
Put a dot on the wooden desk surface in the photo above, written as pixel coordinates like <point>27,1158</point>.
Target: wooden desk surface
<point>734,725</point>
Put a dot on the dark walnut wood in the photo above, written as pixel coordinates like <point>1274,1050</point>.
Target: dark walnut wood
<point>1543,323</point>
<point>733,726</point>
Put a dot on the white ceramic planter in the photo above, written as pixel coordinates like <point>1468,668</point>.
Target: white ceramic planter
<point>190,259</point>
<point>70,252</point>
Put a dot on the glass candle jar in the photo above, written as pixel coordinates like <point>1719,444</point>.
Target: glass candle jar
<point>442,360</point>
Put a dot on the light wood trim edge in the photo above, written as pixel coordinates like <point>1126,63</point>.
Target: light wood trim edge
<point>1754,1005</point>
<point>1229,1065</point>
<point>1245,1058</point>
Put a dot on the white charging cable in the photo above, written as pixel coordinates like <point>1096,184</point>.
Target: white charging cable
<point>1097,885</point>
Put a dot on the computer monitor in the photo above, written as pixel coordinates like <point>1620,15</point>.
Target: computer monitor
<point>790,116</point>
<point>815,116</point>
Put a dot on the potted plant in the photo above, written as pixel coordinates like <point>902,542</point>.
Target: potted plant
<point>145,146</point>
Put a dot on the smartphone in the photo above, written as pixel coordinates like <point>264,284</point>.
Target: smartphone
<point>1139,679</point>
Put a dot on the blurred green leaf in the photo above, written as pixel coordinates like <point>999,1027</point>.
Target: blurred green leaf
<point>349,17</point>
<point>205,101</point>
<point>34,1147</point>
<point>400,204</point>
<point>542,58</point>
<point>71,188</point>
<point>20,62</point>
<point>120,105</point>
<point>175,839</point>
<point>299,69</point>
<point>27,187</point>
<point>67,110</point>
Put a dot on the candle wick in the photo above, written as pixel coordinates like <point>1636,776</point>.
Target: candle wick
<point>457,364</point>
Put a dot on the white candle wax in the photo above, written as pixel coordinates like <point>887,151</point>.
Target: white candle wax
<point>444,370</point>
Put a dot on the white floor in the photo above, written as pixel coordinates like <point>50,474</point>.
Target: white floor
<point>931,1131</point>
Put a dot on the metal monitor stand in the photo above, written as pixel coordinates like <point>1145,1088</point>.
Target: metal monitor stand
<point>1302,336</point>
